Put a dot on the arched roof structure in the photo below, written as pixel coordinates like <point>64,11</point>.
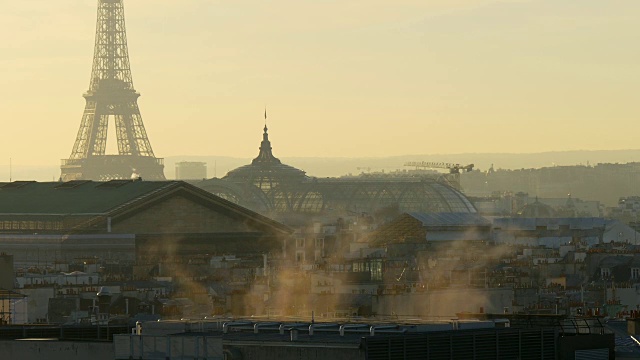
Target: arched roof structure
<point>356,196</point>
<point>245,195</point>
<point>286,189</point>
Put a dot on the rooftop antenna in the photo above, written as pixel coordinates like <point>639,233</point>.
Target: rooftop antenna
<point>10,170</point>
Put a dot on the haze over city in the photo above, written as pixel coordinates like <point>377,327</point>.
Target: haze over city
<point>339,79</point>
<point>346,180</point>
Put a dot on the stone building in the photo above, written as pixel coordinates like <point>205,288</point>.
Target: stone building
<point>164,218</point>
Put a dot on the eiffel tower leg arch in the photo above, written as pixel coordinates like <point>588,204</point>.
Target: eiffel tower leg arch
<point>111,95</point>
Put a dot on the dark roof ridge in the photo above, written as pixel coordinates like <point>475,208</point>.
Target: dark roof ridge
<point>176,185</point>
<point>170,183</point>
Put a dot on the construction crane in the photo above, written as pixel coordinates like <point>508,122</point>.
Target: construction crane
<point>453,168</point>
<point>452,179</point>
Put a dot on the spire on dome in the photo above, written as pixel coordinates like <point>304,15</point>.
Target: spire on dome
<point>265,155</point>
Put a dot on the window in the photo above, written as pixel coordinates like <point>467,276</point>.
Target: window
<point>376,270</point>
<point>300,243</point>
<point>320,243</point>
<point>299,256</point>
<point>605,273</point>
<point>635,273</point>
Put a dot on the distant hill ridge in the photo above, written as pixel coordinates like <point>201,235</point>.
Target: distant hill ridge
<point>336,166</point>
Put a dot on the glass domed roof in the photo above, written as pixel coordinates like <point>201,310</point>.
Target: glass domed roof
<point>266,171</point>
<point>288,189</point>
<point>536,210</point>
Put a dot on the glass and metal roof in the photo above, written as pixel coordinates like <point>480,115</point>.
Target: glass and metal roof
<point>288,189</point>
<point>266,171</point>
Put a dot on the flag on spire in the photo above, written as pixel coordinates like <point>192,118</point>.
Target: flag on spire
<point>265,113</point>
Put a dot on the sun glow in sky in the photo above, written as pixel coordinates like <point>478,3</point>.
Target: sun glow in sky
<point>339,77</point>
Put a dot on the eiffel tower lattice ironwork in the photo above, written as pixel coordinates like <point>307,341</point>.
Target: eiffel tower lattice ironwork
<point>111,96</point>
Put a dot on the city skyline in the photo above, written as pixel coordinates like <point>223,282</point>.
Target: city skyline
<point>408,179</point>
<point>338,79</point>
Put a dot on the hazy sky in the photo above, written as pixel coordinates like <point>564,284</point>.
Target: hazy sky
<point>339,77</point>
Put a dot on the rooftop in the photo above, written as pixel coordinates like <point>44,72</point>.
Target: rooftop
<point>450,219</point>
<point>73,197</point>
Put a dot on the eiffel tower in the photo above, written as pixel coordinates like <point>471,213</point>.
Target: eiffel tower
<point>111,96</point>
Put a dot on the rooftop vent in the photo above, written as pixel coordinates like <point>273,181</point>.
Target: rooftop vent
<point>71,184</point>
<point>114,184</point>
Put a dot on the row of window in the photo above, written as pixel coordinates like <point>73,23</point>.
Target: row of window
<point>319,243</point>
<point>605,273</point>
<point>31,225</point>
<point>301,257</point>
<point>371,266</point>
